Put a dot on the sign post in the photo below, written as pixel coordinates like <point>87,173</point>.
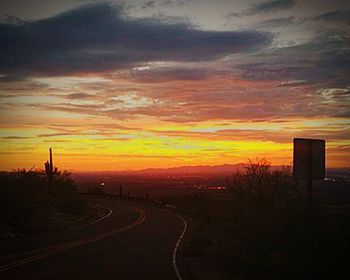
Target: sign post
<point>309,161</point>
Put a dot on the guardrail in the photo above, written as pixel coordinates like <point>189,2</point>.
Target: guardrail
<point>133,198</point>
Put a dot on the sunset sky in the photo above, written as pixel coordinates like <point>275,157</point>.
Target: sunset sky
<point>163,83</point>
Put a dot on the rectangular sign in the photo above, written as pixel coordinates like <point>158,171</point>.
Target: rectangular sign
<point>309,158</point>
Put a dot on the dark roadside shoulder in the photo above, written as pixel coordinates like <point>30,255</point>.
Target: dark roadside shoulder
<point>30,204</point>
<point>46,215</point>
<point>115,215</point>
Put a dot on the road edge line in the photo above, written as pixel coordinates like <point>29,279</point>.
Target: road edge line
<point>178,245</point>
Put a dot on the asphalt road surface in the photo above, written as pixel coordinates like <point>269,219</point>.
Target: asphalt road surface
<point>134,242</point>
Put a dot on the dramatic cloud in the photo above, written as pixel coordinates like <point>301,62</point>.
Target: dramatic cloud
<point>15,137</point>
<point>165,74</point>
<point>270,6</point>
<point>324,61</point>
<point>260,135</point>
<point>172,82</point>
<point>276,22</point>
<point>79,95</point>
<point>99,37</point>
<point>335,16</point>
<point>148,4</point>
<point>165,3</point>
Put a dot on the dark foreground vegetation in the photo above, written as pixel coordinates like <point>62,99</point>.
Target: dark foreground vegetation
<point>31,204</point>
<point>262,228</point>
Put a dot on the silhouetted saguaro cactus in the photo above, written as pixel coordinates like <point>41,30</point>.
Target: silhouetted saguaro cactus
<point>49,170</point>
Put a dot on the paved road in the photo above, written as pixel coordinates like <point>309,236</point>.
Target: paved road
<point>134,242</point>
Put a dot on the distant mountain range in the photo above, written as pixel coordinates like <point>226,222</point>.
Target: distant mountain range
<point>201,169</point>
<point>225,169</point>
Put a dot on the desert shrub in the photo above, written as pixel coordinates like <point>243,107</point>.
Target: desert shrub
<point>62,184</point>
<point>263,202</point>
<point>14,204</point>
<point>264,184</point>
<point>28,200</point>
<point>28,181</point>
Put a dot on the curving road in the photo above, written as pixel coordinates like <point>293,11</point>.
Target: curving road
<point>133,242</point>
